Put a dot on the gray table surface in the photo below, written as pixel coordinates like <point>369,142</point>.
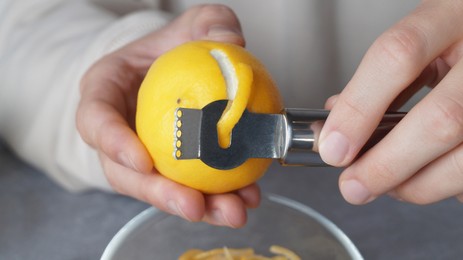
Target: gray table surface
<point>39,220</point>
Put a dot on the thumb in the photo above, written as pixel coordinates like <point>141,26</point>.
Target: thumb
<point>217,23</point>
<point>213,22</point>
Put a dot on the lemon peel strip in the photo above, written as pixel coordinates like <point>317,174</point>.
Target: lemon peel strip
<point>238,80</point>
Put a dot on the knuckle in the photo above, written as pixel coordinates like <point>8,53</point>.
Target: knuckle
<point>355,105</point>
<point>403,47</point>
<point>384,175</point>
<point>444,120</point>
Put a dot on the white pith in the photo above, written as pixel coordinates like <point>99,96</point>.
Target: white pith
<point>228,72</point>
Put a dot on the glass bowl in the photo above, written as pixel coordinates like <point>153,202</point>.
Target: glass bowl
<point>278,221</point>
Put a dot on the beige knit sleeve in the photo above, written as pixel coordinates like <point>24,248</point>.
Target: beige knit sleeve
<point>44,51</point>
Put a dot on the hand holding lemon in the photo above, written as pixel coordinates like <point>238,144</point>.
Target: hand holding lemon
<point>106,120</point>
<point>192,76</point>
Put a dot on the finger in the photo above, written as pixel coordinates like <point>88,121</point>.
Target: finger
<point>103,112</point>
<point>217,23</point>
<point>430,77</point>
<point>213,22</point>
<point>250,195</point>
<point>110,134</point>
<point>392,63</point>
<point>432,128</point>
<point>156,190</point>
<point>207,22</point>
<point>225,210</point>
<point>441,179</point>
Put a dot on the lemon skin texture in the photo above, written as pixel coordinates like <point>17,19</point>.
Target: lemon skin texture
<point>188,76</point>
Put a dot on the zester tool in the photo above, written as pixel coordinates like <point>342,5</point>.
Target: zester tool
<point>290,137</point>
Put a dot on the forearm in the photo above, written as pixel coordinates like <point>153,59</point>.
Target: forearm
<point>44,52</point>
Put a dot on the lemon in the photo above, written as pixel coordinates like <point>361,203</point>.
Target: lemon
<point>193,75</point>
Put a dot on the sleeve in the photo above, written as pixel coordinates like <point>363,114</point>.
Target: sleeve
<point>45,48</point>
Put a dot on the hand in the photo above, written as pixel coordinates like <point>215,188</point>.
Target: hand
<point>421,159</point>
<point>106,113</point>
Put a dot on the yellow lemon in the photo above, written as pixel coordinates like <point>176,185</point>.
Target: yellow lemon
<point>193,75</point>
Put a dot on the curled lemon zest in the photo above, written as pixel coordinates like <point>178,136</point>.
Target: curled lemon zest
<point>235,107</point>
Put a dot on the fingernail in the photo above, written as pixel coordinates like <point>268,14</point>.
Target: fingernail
<point>334,148</point>
<point>125,160</point>
<point>355,193</point>
<point>220,30</point>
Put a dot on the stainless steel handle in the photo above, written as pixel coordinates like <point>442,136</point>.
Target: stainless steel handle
<point>301,134</point>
